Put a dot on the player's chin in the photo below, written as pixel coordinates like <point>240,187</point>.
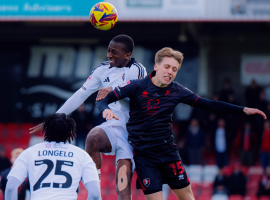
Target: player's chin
<point>112,64</point>
<point>167,82</point>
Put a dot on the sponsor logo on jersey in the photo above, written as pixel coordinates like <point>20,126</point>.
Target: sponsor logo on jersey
<point>124,84</point>
<point>145,94</point>
<point>146,182</point>
<point>48,145</point>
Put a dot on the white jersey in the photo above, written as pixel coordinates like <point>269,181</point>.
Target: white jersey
<point>106,76</point>
<point>54,170</point>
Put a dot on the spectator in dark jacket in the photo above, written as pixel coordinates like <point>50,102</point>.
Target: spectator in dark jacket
<point>252,94</point>
<point>264,185</point>
<point>226,90</point>
<point>237,181</point>
<point>221,183</point>
<point>4,162</point>
<point>195,141</point>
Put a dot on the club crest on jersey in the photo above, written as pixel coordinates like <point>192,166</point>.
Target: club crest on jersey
<point>48,145</point>
<point>124,84</point>
<point>146,182</point>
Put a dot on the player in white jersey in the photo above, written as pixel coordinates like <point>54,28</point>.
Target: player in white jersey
<point>111,136</point>
<point>54,167</point>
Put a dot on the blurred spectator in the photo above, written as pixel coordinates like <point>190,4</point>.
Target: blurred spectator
<point>183,151</point>
<point>267,112</point>
<point>221,139</point>
<point>265,145</point>
<point>237,181</point>
<point>262,103</point>
<point>195,141</point>
<point>264,185</point>
<point>258,120</point>
<point>3,180</point>
<point>83,125</point>
<point>247,145</point>
<point>221,183</point>
<point>212,117</point>
<point>267,93</point>
<point>232,120</point>
<point>252,95</point>
<point>226,90</point>
<point>5,163</point>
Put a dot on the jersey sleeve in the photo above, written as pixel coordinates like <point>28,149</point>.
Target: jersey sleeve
<point>91,85</point>
<point>19,168</point>
<point>187,96</point>
<point>138,71</point>
<point>89,171</point>
<point>93,82</point>
<point>127,89</point>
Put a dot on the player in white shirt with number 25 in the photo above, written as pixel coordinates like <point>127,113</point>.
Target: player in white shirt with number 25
<point>54,167</point>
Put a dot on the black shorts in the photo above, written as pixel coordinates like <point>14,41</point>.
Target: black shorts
<point>154,169</point>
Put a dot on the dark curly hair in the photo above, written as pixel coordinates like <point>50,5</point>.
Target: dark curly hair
<point>59,127</point>
<point>126,40</point>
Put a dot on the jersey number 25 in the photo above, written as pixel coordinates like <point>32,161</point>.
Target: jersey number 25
<point>58,171</point>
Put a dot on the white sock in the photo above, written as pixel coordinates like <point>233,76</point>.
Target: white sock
<point>99,174</point>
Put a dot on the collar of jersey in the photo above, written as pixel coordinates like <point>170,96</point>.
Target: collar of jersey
<point>132,60</point>
<point>55,142</point>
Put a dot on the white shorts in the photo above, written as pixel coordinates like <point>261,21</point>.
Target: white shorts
<point>118,137</point>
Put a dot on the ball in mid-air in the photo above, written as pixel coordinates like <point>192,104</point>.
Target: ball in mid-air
<point>103,16</point>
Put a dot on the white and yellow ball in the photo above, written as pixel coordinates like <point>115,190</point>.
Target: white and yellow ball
<point>103,16</point>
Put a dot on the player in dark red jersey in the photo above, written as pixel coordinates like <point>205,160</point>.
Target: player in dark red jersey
<point>152,101</point>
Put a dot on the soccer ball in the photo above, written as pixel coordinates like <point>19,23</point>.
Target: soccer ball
<point>103,16</point>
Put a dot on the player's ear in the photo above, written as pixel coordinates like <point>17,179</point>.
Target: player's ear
<point>155,67</point>
<point>127,55</point>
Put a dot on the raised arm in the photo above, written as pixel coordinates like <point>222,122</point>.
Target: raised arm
<point>225,108</point>
<point>91,85</point>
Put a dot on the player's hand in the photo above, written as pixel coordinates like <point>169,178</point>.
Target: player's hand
<point>36,128</point>
<point>108,114</point>
<point>252,111</point>
<point>103,92</point>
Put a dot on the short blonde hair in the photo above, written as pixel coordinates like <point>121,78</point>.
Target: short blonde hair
<point>169,52</point>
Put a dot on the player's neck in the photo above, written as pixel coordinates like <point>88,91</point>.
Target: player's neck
<point>124,64</point>
<point>157,82</point>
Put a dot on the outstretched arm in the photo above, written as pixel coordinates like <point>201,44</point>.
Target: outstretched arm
<point>69,106</point>
<point>91,85</point>
<point>225,108</point>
